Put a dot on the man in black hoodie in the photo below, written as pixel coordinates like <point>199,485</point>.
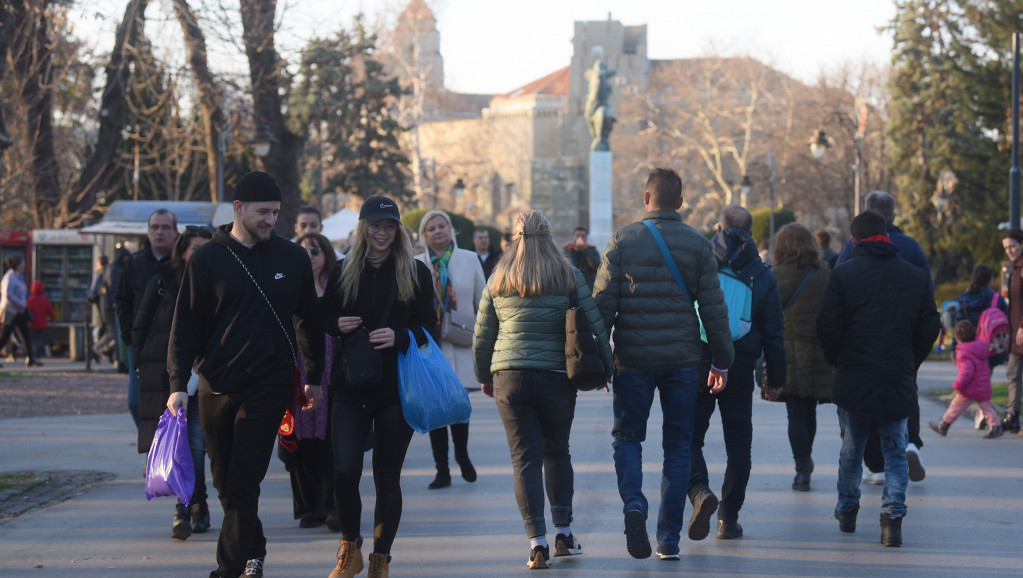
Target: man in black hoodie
<point>876,324</point>
<point>246,300</point>
<point>738,257</point>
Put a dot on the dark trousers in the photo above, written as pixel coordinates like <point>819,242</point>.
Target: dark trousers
<point>391,437</point>
<point>802,414</point>
<point>311,469</point>
<point>537,408</point>
<point>736,406</point>
<point>439,444</point>
<point>20,325</point>
<point>240,431</point>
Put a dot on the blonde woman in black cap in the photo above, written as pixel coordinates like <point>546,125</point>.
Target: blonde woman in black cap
<point>246,299</point>
<point>382,287</point>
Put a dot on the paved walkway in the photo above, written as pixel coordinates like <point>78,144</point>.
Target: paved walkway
<point>964,518</point>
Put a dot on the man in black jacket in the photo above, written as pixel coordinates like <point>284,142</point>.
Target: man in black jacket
<point>140,268</point>
<point>239,325</point>
<point>738,257</point>
<point>876,324</point>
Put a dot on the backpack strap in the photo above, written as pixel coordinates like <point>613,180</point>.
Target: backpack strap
<point>667,258</point>
<point>798,289</point>
<point>994,300</point>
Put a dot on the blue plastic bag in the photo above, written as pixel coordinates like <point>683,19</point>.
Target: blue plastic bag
<point>431,394</point>
<point>169,468</point>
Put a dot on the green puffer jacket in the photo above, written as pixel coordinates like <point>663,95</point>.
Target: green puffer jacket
<point>809,376</point>
<point>655,325</point>
<point>514,332</point>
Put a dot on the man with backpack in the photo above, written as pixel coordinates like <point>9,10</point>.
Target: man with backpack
<point>755,317</point>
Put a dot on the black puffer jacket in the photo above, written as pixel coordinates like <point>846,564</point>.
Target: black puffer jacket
<point>138,270</point>
<point>735,248</point>
<point>375,287</point>
<point>877,322</point>
<point>150,336</point>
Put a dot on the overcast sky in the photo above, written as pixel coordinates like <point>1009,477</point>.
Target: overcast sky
<point>494,47</point>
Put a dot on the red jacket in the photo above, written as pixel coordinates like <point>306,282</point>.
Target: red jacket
<point>974,379</point>
<point>40,307</point>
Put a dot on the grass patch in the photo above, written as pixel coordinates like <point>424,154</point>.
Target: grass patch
<point>999,394</point>
<point>8,481</point>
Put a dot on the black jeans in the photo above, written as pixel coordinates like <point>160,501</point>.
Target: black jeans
<point>802,425</point>
<point>736,405</point>
<point>240,431</point>
<point>391,437</point>
<point>20,325</point>
<point>439,444</point>
<point>537,408</point>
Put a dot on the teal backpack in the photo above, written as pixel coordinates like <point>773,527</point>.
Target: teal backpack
<point>739,298</point>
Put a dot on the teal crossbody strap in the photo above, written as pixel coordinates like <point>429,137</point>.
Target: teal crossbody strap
<point>667,258</point>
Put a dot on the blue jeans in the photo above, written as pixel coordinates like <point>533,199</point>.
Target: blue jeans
<point>894,437</point>
<point>196,443</point>
<point>537,408</point>
<point>633,396</point>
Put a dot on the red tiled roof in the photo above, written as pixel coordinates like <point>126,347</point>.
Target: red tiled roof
<point>416,11</point>
<point>554,83</point>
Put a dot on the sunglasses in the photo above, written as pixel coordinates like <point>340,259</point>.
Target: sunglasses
<point>200,231</point>
<point>314,251</point>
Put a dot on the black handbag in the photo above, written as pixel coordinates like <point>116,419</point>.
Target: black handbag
<point>362,364</point>
<point>582,359</point>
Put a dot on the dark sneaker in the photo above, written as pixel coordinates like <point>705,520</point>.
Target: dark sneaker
<point>182,527</point>
<point>705,504</point>
<point>538,558</point>
<point>636,539</point>
<point>995,432</point>
<point>567,546</point>
<point>729,530</point>
<point>665,552</point>
<point>254,568</point>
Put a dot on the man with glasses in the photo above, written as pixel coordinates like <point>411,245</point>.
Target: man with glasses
<point>140,268</point>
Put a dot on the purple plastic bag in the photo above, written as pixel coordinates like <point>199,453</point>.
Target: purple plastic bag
<point>169,469</point>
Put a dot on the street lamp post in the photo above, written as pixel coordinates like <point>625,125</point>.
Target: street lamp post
<point>747,185</point>
<point>821,142</point>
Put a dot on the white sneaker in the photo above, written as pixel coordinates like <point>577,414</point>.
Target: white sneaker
<point>916,466</point>
<point>872,478</point>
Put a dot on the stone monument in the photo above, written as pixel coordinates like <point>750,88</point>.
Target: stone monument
<point>600,120</point>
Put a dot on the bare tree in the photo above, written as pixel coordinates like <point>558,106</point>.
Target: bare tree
<point>209,95</point>
<point>268,82</point>
<point>111,119</point>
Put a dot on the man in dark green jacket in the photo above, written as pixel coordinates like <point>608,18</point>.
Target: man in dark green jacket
<point>658,347</point>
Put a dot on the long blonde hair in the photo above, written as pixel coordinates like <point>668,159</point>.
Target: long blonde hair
<point>404,264</point>
<point>533,265</point>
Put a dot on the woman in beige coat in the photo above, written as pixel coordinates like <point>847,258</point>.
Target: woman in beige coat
<point>458,285</point>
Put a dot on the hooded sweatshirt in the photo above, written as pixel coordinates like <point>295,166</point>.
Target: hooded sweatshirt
<point>40,307</point>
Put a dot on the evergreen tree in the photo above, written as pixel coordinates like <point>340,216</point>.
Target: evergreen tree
<point>344,102</point>
<point>948,101</point>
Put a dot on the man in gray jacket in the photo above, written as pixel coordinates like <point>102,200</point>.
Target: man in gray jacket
<point>658,347</point>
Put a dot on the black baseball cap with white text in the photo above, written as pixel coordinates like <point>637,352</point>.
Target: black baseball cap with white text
<point>378,208</point>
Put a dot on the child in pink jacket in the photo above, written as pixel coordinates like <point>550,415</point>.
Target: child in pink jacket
<point>973,384</point>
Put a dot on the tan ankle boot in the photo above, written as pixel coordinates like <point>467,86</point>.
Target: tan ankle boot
<point>349,560</point>
<point>377,566</point>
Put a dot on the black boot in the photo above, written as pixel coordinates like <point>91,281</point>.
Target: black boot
<point>891,531</point>
<point>460,437</point>
<point>182,527</point>
<point>804,467</point>
<point>1011,422</point>
<point>442,480</point>
<point>200,517</point>
<point>847,519</point>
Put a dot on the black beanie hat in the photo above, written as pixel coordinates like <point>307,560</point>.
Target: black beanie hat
<point>257,186</point>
